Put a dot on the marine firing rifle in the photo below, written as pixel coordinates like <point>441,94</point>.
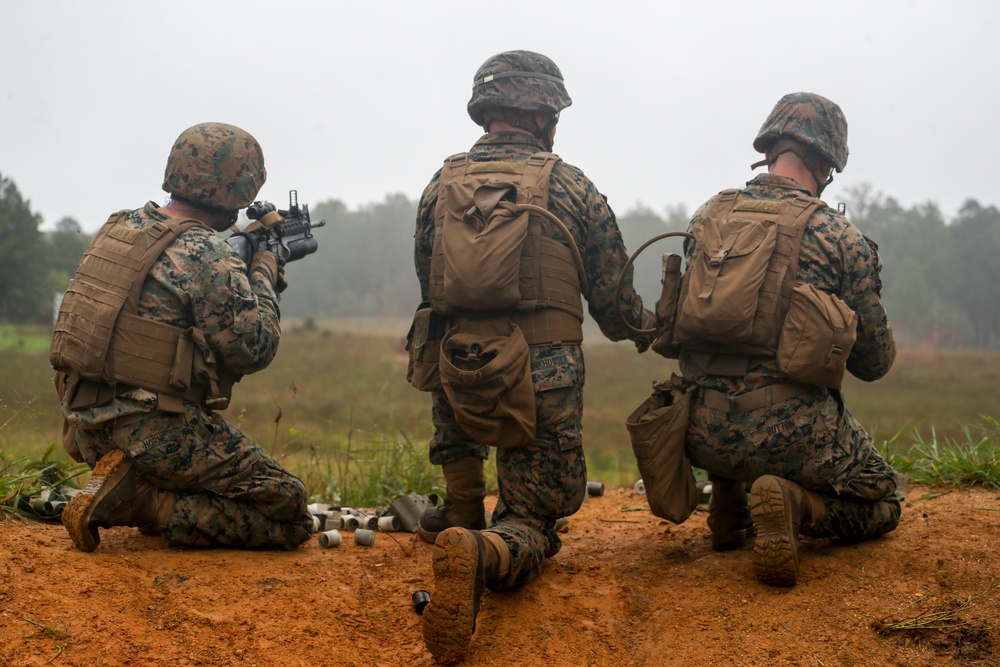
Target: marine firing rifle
<point>288,234</point>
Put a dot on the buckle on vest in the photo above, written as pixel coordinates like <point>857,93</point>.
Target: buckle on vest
<point>719,257</point>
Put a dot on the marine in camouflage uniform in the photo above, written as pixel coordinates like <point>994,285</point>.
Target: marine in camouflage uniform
<point>187,473</point>
<point>545,480</point>
<point>840,486</point>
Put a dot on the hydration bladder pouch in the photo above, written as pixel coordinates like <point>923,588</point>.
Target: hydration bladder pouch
<point>486,374</point>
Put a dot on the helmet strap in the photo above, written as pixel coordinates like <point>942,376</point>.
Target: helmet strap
<point>821,171</point>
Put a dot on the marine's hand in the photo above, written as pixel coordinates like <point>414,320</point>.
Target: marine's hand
<point>643,341</point>
<point>266,263</point>
<point>280,284</point>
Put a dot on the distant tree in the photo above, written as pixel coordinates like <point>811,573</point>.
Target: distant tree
<point>364,265</point>
<point>975,234</point>
<point>24,287</point>
<point>66,246</point>
<point>68,224</point>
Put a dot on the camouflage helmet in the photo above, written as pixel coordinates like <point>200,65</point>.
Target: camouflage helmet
<point>813,121</point>
<point>216,165</point>
<point>521,80</point>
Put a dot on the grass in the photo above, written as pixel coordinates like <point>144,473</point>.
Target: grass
<point>24,339</point>
<point>335,409</point>
<point>25,477</point>
<point>973,459</point>
<point>944,616</point>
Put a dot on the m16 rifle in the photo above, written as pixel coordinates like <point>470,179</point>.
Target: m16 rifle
<point>288,234</point>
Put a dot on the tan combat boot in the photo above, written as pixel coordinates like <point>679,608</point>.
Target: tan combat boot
<point>463,502</point>
<point>465,561</point>
<point>781,509</point>
<point>116,496</point>
<point>729,516</point>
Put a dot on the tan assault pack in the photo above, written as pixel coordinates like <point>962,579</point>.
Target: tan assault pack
<point>740,296</point>
<point>490,250</point>
<point>103,346</point>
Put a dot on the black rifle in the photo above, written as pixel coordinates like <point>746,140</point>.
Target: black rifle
<point>288,234</point>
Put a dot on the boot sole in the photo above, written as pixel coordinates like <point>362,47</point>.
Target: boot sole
<point>775,553</point>
<point>449,619</point>
<point>76,516</point>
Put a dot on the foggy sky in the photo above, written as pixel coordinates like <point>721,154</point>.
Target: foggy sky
<point>357,100</point>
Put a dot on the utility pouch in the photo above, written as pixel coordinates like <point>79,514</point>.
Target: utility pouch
<point>658,428</point>
<point>666,307</point>
<point>423,342</point>
<point>68,432</point>
<point>816,338</point>
<point>486,374</point>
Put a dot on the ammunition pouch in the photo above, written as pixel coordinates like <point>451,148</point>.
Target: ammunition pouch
<point>423,343</point>
<point>486,375</point>
<point>658,429</point>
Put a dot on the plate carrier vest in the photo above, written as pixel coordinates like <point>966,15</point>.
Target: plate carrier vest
<point>99,337</point>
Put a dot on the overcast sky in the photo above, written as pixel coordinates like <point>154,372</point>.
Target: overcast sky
<point>357,100</point>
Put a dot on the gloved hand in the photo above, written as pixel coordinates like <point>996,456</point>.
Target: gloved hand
<point>643,341</point>
<point>266,263</point>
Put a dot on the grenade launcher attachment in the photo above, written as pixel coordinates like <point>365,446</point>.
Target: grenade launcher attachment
<point>288,234</point>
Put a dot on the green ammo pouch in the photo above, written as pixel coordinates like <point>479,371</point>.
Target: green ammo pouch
<point>658,428</point>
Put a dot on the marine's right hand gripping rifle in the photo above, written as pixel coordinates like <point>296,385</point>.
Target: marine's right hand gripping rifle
<point>288,234</point>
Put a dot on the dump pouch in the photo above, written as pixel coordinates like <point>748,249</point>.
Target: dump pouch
<point>423,342</point>
<point>658,428</point>
<point>486,374</point>
<point>816,338</point>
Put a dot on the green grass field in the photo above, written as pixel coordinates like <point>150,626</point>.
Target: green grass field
<point>336,408</point>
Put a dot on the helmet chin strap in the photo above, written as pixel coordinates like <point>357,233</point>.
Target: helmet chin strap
<point>822,173</point>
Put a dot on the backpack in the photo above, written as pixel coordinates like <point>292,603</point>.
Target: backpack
<point>490,251</point>
<point>740,297</point>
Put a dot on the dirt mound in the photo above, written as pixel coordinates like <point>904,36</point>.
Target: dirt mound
<point>627,589</point>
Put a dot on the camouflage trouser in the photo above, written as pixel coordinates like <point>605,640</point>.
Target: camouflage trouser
<point>229,491</point>
<point>542,482</point>
<point>812,440</point>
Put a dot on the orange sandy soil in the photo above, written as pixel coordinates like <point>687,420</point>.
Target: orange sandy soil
<point>627,589</point>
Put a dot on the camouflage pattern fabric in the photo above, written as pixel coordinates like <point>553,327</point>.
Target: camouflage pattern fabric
<point>544,481</point>
<point>217,165</point>
<point>814,121</point>
<point>521,80</point>
<point>229,491</point>
<point>225,480</point>
<point>812,439</point>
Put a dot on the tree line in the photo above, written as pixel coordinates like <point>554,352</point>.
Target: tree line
<point>940,276</point>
